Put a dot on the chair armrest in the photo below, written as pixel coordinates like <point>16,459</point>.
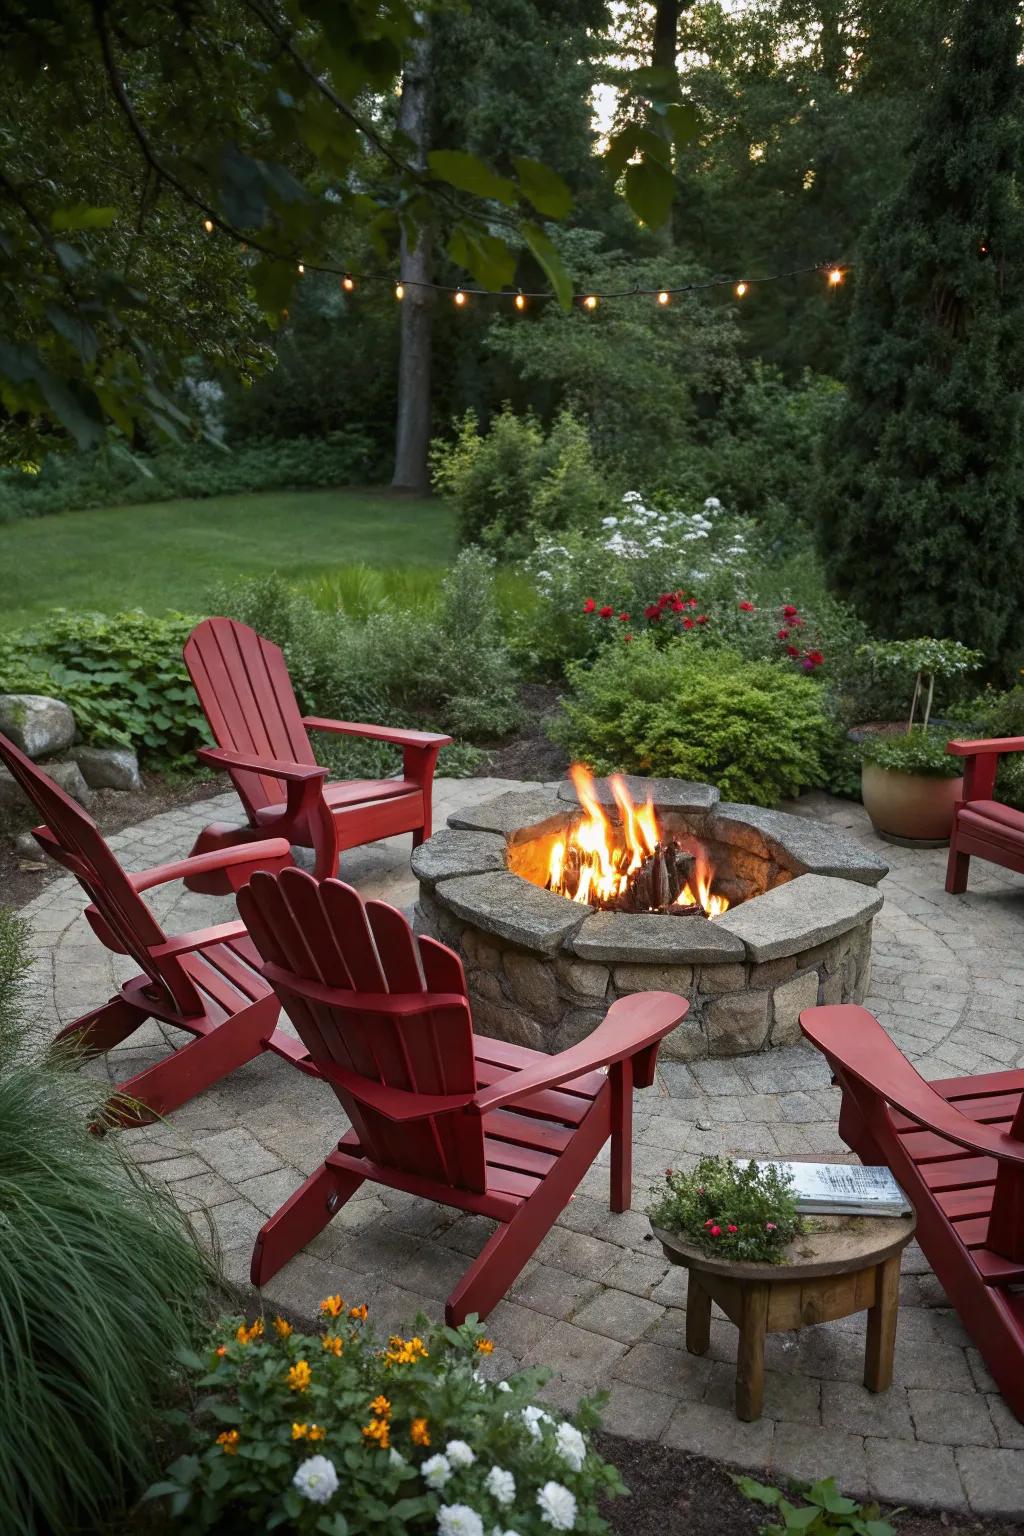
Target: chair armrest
<point>273,853</point>
<point>200,938</point>
<point>994,744</point>
<point>855,1043</point>
<point>400,738</point>
<point>274,768</point>
<point>631,1025</point>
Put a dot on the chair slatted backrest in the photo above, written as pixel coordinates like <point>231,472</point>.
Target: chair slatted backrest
<point>247,697</point>
<point>122,920</point>
<point>326,934</point>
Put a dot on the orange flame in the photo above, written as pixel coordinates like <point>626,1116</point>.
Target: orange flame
<point>607,856</point>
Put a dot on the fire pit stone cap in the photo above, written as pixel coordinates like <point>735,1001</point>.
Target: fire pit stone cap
<point>667,794</point>
<point>512,909</point>
<point>651,938</point>
<point>805,912</point>
<point>810,846</point>
<point>449,853</point>
<point>515,815</point>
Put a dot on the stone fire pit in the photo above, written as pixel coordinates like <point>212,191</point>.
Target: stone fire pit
<point>542,969</point>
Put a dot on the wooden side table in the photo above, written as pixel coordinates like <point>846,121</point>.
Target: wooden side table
<point>846,1264</point>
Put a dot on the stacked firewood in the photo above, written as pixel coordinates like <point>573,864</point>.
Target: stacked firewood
<point>653,887</point>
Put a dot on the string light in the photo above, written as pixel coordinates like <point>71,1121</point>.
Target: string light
<point>741,289</point>
<point>208,226</point>
<point>459,298</point>
<point>664,297</point>
<point>520,300</point>
<point>301,269</point>
<point>348,283</point>
<point>590,302</point>
<point>835,276</point>
<point>399,291</point>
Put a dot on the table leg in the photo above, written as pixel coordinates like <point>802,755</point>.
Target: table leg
<point>698,1317</point>
<point>881,1335</point>
<point>750,1351</point>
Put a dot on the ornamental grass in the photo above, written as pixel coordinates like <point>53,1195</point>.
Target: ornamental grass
<point>100,1284</point>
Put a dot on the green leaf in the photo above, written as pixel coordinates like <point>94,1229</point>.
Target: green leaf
<point>800,1519</point>
<point>621,149</point>
<point>543,187</point>
<point>82,216</point>
<point>649,191</point>
<point>74,330</point>
<point>761,1493</point>
<point>468,173</point>
<point>683,122</point>
<point>551,263</point>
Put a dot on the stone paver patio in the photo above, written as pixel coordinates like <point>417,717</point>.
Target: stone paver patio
<point>599,1305</point>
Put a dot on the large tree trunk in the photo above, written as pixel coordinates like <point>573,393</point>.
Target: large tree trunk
<point>412,440</point>
<point>663,56</point>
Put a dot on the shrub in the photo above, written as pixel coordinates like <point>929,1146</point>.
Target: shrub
<point>755,729</point>
<point>1002,714</point>
<point>123,676</point>
<point>14,967</point>
<point>916,751</point>
<point>743,1211</point>
<point>101,1285</point>
<point>826,1510</point>
<point>512,483</point>
<point>75,482</point>
<point>335,1433</point>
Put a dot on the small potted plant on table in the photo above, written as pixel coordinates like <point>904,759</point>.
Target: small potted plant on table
<point>909,784</point>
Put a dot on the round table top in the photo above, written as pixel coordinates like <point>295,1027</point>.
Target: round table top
<point>832,1245</point>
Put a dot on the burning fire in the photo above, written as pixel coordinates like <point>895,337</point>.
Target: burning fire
<point>605,857</point>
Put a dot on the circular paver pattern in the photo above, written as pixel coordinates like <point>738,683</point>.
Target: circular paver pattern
<point>598,1304</point>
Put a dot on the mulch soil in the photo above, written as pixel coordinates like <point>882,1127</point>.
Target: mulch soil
<point>529,754</point>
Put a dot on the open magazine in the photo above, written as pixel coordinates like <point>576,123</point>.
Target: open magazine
<point>842,1189</point>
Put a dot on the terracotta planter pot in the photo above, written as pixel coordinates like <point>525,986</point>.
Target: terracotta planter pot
<point>915,806</point>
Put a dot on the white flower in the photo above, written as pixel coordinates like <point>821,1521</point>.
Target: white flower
<point>459,1453</point>
<point>570,1445</point>
<point>501,1486</point>
<point>503,1386</point>
<point>316,1479</point>
<point>557,1506</point>
<point>458,1520</point>
<point>713,504</point>
<point>436,1471</point>
<point>396,1458</point>
<point>533,1417</point>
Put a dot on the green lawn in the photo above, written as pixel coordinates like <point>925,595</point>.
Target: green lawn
<point>169,554</point>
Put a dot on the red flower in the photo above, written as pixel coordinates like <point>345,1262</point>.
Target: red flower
<point>692,603</point>
<point>789,612</point>
<point>769,1226</point>
<point>677,605</point>
<point>606,612</point>
<point>627,638</point>
<point>687,623</point>
<point>652,612</point>
<point>815,658</point>
<point>709,1223</point>
<point>702,618</point>
<point>793,650</point>
<point>746,607</point>
<point>731,1228</point>
<point>716,1231</point>
<point>589,605</point>
<point>624,618</point>
<point>782,634</point>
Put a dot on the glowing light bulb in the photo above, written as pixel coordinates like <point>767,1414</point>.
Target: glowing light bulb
<point>301,269</point>
<point>208,226</point>
<point>590,302</point>
<point>348,283</point>
<point>459,298</point>
<point>399,291</point>
<point>835,276</point>
<point>741,289</point>
<point>520,301</point>
<point>664,297</point>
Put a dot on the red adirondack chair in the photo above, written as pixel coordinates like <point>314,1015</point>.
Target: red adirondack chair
<point>205,983</point>
<point>263,742</point>
<point>981,825</point>
<point>435,1109</point>
<point>957,1149</point>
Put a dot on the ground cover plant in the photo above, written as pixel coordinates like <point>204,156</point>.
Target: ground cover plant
<point>101,1283</point>
<point>338,1431</point>
<point>732,1210</point>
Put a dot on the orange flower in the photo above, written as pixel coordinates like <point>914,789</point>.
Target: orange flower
<point>316,1432</point>
<point>299,1376</point>
<point>308,1432</point>
<point>332,1343</point>
<point>379,1430</point>
<point>380,1408</point>
<point>300,1431</point>
<point>404,1351</point>
<point>332,1306</point>
<point>418,1432</point>
<point>246,1335</point>
<point>228,1442</point>
<point>358,1312</point>
<point>283,1329</point>
<point>485,1346</point>
<point>222,1349</point>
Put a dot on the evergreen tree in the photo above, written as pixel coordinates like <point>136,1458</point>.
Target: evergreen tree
<point>923,509</point>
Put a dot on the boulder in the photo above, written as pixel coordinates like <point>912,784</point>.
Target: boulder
<point>67,775</point>
<point>108,767</point>
<point>38,725</point>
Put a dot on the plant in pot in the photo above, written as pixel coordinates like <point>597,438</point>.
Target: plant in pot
<point>909,785</point>
<point>731,1210</point>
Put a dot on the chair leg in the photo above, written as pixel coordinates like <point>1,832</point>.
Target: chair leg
<point>179,1077</point>
<point>621,1081</point>
<point>957,869</point>
<point>303,1215</point>
<point>104,1027</point>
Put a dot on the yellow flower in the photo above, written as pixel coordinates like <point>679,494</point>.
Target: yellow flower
<point>404,1351</point>
<point>228,1442</point>
<point>246,1335</point>
<point>299,1376</point>
<point>418,1433</point>
<point>485,1346</point>
<point>283,1328</point>
<point>300,1431</point>
<point>380,1408</point>
<point>379,1430</point>
<point>358,1312</point>
<point>332,1306</point>
<point>333,1344</point>
<point>316,1432</point>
